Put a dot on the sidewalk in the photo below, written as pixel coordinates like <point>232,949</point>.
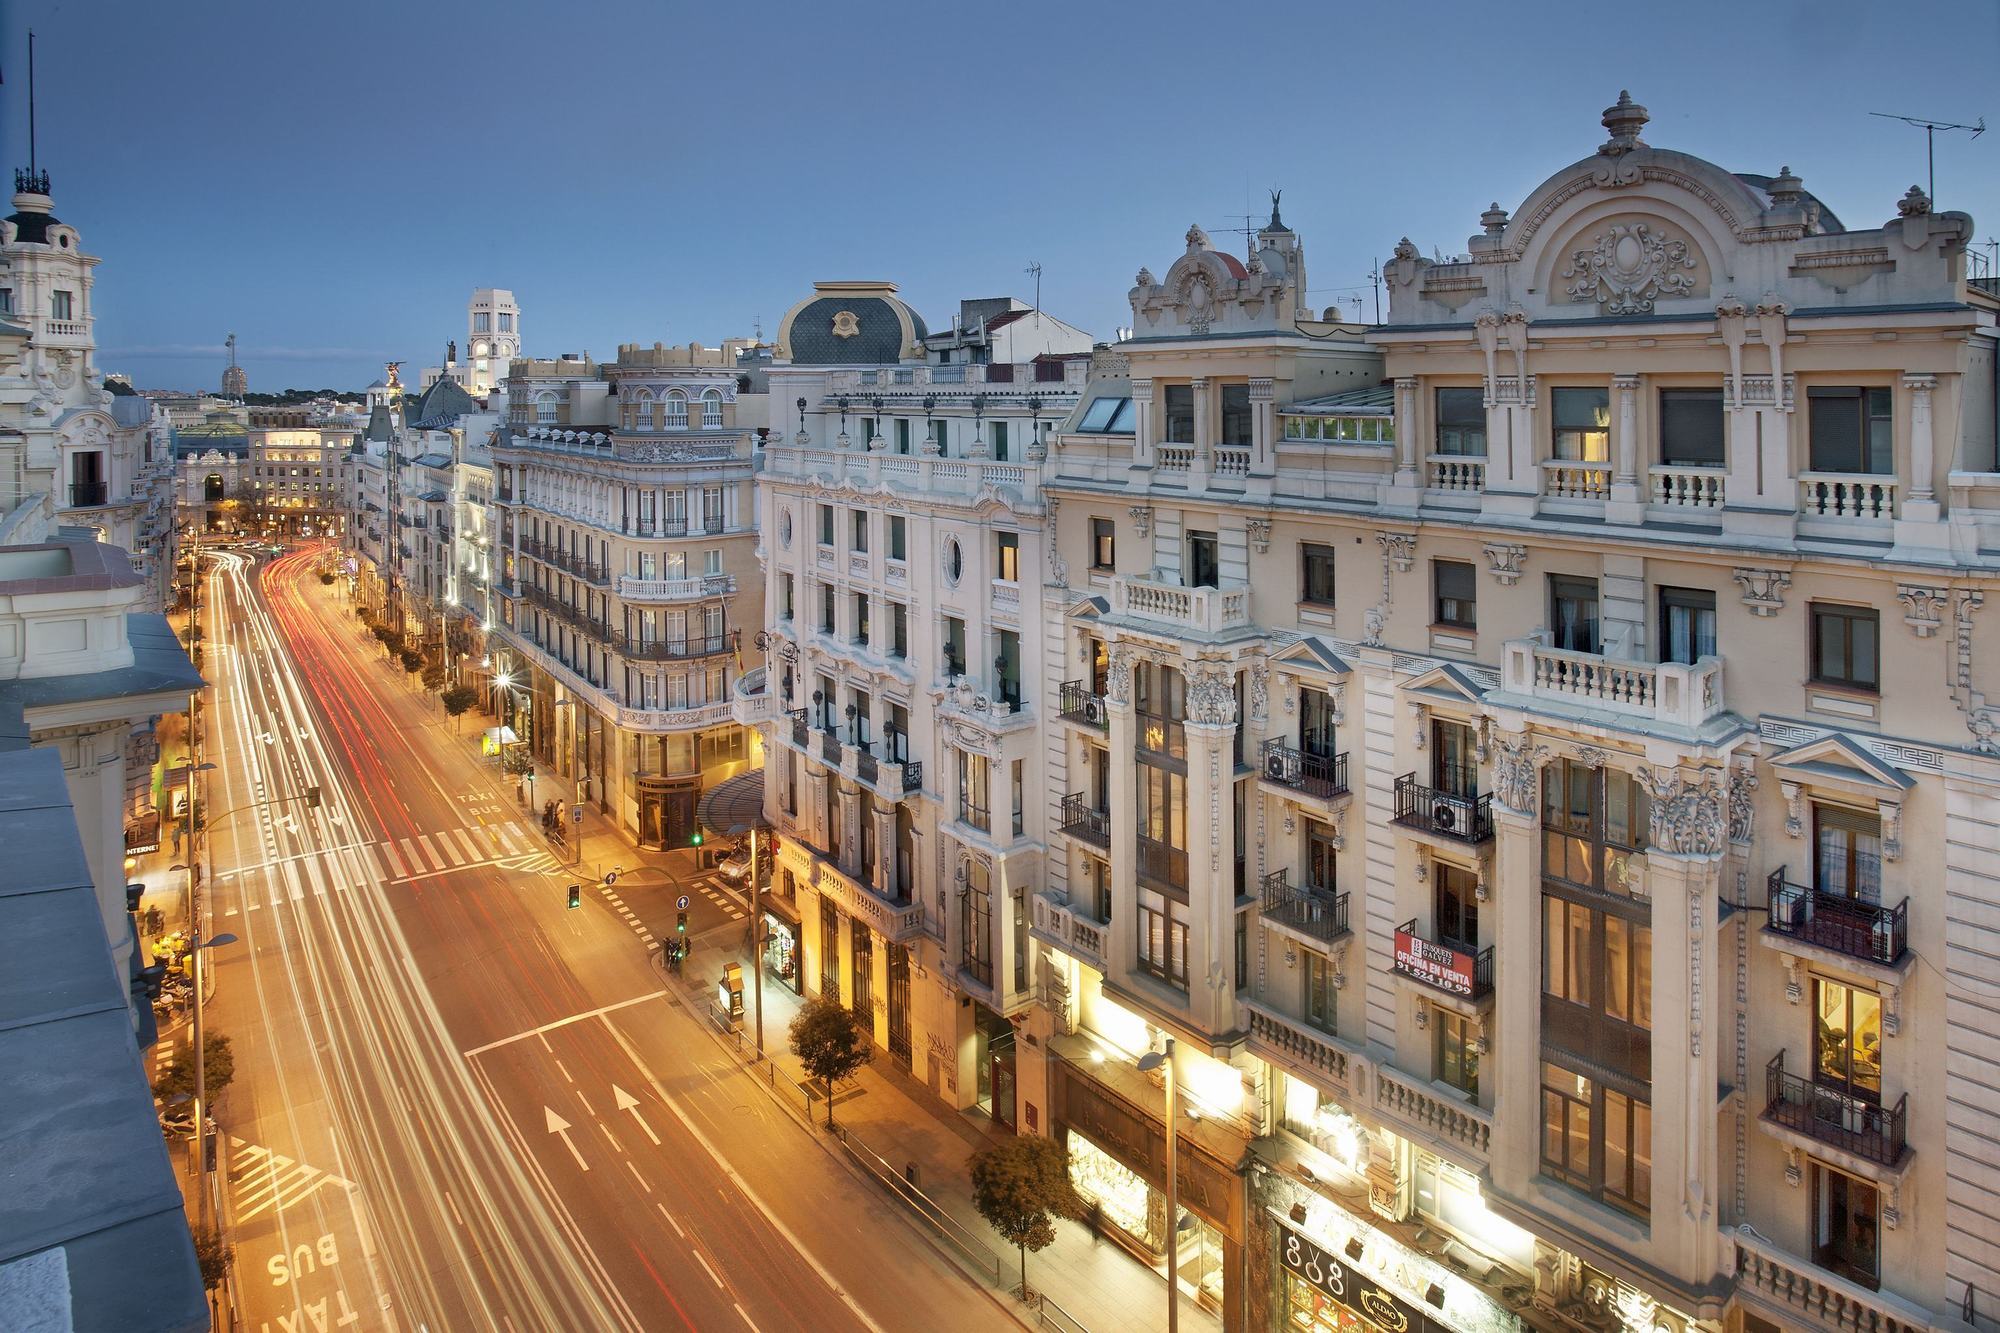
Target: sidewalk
<point>1097,1284</point>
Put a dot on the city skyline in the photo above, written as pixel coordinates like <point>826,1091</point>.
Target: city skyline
<point>353,232</point>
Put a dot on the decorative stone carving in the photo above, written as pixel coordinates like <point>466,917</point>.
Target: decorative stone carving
<point>1423,870</point>
<point>1742,810</point>
<point>1687,816</point>
<point>1794,1173</point>
<point>1423,1014</point>
<point>1118,675</point>
<point>1923,608</point>
<point>1260,682</point>
<point>1764,590</point>
<point>1795,989</point>
<point>1795,822</point>
<point>1983,721</point>
<point>1420,729</point>
<point>1591,757</point>
<point>1260,534</point>
<point>1211,697</point>
<point>1291,819</point>
<point>1505,558</point>
<point>1373,623</point>
<point>1892,1017</point>
<point>1399,549</point>
<point>1516,765</point>
<point>1629,266</point>
<point>1892,829</point>
<point>1142,519</point>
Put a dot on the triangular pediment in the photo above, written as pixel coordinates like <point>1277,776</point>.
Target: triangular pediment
<point>1446,680</point>
<point>1311,653</point>
<point>1838,758</point>
<point>1087,608</point>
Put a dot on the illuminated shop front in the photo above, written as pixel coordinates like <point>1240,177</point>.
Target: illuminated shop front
<point>1118,1162</point>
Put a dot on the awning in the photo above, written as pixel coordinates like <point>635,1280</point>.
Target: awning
<point>731,809</point>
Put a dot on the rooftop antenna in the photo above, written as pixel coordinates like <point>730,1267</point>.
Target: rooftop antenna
<point>230,343</point>
<point>1035,269</point>
<point>757,327</point>
<point>1930,129</point>
<point>1375,276</point>
<point>31,101</point>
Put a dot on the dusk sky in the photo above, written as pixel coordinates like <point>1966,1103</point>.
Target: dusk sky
<point>332,181</point>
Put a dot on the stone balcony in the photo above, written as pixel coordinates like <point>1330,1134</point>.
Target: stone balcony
<point>1062,926</point>
<point>1201,611</point>
<point>895,919</point>
<point>1297,1047</point>
<point>1657,693</point>
<point>750,698</point>
<point>635,589</point>
<point>1794,1293</point>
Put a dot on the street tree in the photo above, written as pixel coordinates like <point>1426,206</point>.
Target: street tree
<point>830,1043</point>
<point>1021,1186</point>
<point>458,699</point>
<point>213,1253</point>
<point>219,1069</point>
<point>325,578</point>
<point>434,678</point>
<point>413,661</point>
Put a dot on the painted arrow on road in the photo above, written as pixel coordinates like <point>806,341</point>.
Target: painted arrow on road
<point>627,1102</point>
<point>558,1125</point>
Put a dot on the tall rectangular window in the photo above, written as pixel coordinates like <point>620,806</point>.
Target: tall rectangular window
<point>954,646</point>
<point>826,525</point>
<point>1687,624</point>
<point>1573,613</point>
<point>1235,415</point>
<point>1846,1226</point>
<point>1847,853</point>
<point>1455,594</point>
<point>62,305</point>
<point>1851,430</point>
<point>1456,1058</point>
<point>1007,556</point>
<point>1103,544</point>
<point>1847,1040</point>
<point>1318,1000</point>
<point>1691,433</point>
<point>1582,425</point>
<point>899,537</point>
<point>859,536</point>
<point>899,630</point>
<point>1461,422</point>
<point>902,435</point>
<point>1845,643</point>
<point>941,437</point>
<point>711,509</point>
<point>1180,413</point>
<point>1316,583</point>
<point>1204,561</point>
<point>999,429</point>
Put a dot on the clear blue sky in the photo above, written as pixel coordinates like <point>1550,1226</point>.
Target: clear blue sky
<point>331,180</point>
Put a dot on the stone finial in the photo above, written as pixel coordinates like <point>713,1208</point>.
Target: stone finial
<point>1624,119</point>
<point>1145,278</point>
<point>1786,189</point>
<point>1494,220</point>
<point>1197,239</point>
<point>1915,204</point>
<point>1406,249</point>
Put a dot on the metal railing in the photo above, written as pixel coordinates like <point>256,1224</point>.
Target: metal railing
<point>1161,865</point>
<point>1320,913</point>
<point>672,650</point>
<point>1851,926</point>
<point>1466,818</point>
<point>88,494</point>
<point>801,729</point>
<point>1441,952</point>
<point>1076,703</point>
<point>829,748</point>
<point>913,775</point>
<point>1831,1116</point>
<point>941,1223</point>
<point>1313,774</point>
<point>1080,819</point>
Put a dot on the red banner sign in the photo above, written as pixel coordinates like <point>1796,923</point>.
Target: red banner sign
<point>1447,969</point>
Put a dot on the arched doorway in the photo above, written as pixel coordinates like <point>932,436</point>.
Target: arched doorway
<point>211,489</point>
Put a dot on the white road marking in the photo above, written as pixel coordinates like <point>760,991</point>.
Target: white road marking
<point>627,1102</point>
<point>670,1220</point>
<point>747,1320</point>
<point>560,1126</point>
<point>563,1023</point>
<point>710,1271</point>
<point>430,851</point>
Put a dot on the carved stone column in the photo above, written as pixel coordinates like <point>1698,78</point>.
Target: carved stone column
<point>1406,431</point>
<point>1922,502</point>
<point>884,879</point>
<point>1512,1064</point>
<point>1263,428</point>
<point>1211,844</point>
<point>1626,503</point>
<point>1683,870</point>
<point>850,829</point>
<point>1122,942</point>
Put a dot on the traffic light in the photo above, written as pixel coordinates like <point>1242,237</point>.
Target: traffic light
<point>681,922</point>
<point>695,839</point>
<point>576,895</point>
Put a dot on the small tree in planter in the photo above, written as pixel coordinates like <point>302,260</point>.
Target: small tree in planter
<point>1021,1186</point>
<point>413,661</point>
<point>830,1043</point>
<point>218,1071</point>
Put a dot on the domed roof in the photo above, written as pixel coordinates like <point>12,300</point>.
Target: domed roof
<point>851,324</point>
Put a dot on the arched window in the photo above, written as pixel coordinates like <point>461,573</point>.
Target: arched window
<point>677,410</point>
<point>711,407</point>
<point>545,407</point>
<point>639,408</point>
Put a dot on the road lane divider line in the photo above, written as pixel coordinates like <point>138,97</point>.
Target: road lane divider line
<point>722,1163</point>
<point>670,1220</point>
<point>564,1022</point>
<point>710,1271</point>
<point>644,1184</point>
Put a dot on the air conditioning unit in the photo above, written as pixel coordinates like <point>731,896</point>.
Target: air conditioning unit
<point>1274,766</point>
<point>1093,711</point>
<point>1447,818</point>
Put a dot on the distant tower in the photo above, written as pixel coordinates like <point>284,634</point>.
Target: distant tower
<point>493,338</point>
<point>234,382</point>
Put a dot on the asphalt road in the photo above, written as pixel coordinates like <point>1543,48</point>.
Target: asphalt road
<point>458,1103</point>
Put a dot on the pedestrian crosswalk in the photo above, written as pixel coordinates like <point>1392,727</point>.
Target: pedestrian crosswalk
<point>712,887</point>
<point>511,846</point>
<point>261,1180</point>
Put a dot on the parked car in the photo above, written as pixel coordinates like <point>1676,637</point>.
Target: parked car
<point>735,862</point>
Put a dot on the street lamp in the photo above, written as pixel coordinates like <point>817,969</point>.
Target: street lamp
<point>196,948</point>
<point>1165,1062</point>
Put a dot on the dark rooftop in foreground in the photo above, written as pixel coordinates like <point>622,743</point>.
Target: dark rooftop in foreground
<point>93,1234</point>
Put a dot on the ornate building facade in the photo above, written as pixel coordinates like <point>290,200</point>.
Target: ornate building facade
<point>1530,756</point>
<point>904,533</point>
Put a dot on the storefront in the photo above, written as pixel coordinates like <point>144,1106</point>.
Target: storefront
<point>781,952</point>
<point>1325,1294</point>
<point>1118,1162</point>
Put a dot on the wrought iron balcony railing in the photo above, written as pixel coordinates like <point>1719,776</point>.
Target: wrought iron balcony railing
<point>1466,818</point>
<point>1313,774</point>
<point>1320,913</point>
<point>1869,931</point>
<point>1080,819</point>
<point>1835,1117</point>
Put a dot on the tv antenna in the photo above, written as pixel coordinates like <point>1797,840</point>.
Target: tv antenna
<point>1930,129</point>
<point>230,343</point>
<point>1035,268</point>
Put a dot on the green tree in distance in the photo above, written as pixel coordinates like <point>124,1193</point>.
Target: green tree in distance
<point>830,1043</point>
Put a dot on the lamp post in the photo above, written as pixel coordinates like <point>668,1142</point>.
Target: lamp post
<point>1147,1063</point>
<point>195,951</point>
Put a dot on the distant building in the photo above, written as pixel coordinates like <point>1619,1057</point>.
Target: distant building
<point>234,382</point>
<point>492,340</point>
